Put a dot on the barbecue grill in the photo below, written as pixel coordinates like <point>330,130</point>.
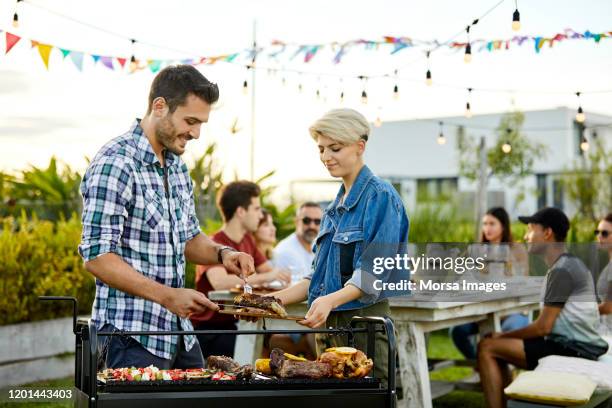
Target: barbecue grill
<point>251,393</point>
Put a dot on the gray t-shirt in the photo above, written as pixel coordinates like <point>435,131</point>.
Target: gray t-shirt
<point>569,285</point>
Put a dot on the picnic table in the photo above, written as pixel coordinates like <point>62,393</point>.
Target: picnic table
<point>414,316</point>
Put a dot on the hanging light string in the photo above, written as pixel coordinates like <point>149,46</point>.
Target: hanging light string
<point>516,17</point>
<point>441,139</point>
<point>506,146</point>
<point>395,88</point>
<point>428,79</point>
<point>580,117</point>
<point>16,15</point>
<point>467,57</point>
<point>468,107</point>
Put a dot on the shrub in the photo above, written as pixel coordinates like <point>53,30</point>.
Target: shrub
<point>40,258</point>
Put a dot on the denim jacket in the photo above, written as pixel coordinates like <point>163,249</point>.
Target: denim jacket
<point>372,213</point>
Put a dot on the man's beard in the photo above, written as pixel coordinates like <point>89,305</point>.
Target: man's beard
<point>165,133</point>
<point>309,235</point>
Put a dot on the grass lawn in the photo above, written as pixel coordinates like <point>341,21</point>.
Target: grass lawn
<point>440,346</point>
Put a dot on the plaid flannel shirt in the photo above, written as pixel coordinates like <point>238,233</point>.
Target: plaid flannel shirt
<point>126,211</point>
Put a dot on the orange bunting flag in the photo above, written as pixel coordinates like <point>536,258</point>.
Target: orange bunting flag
<point>34,43</point>
<point>11,40</point>
<point>45,51</point>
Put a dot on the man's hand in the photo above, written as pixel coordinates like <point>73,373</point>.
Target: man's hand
<point>238,263</point>
<point>493,335</point>
<point>318,313</point>
<point>185,302</point>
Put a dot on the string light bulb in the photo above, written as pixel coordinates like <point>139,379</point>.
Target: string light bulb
<point>342,97</point>
<point>516,20</point>
<point>506,146</point>
<point>441,139</point>
<point>467,57</point>
<point>428,80</point>
<point>318,94</point>
<point>133,61</point>
<point>300,87</point>
<point>584,144</point>
<point>468,107</point>
<point>16,16</point>
<point>364,97</point>
<point>396,92</point>
<point>378,121</point>
<point>364,94</point>
<point>580,116</point>
<point>245,87</point>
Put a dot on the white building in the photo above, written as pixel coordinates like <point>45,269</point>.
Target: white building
<point>408,154</point>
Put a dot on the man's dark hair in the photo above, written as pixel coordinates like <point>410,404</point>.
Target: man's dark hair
<point>236,194</point>
<point>309,204</point>
<point>176,82</point>
<point>608,217</point>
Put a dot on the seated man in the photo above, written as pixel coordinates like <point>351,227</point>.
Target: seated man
<point>568,319</point>
<point>241,211</point>
<point>295,251</point>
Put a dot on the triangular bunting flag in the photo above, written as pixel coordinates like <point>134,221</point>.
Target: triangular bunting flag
<point>108,62</point>
<point>34,43</point>
<point>11,40</point>
<point>96,58</point>
<point>64,52</point>
<point>122,61</point>
<point>154,65</point>
<point>45,51</point>
<point>77,59</point>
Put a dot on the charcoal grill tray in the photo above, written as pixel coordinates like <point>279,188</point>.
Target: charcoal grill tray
<point>240,385</point>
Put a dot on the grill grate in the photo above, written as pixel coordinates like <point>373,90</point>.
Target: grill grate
<point>253,384</point>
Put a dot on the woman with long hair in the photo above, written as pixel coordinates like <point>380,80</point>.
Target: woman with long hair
<point>265,236</point>
<point>509,259</point>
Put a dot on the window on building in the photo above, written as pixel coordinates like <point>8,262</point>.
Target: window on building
<point>542,190</point>
<point>432,189</point>
<point>558,194</point>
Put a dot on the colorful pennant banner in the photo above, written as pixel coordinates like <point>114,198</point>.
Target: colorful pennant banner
<point>307,51</point>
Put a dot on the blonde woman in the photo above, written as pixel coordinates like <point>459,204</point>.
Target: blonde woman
<point>367,210</point>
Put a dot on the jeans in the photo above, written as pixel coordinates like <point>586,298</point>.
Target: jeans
<point>464,335</point>
<point>217,344</point>
<point>125,351</point>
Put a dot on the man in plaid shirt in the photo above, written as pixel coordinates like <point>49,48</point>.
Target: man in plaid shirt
<point>139,225</point>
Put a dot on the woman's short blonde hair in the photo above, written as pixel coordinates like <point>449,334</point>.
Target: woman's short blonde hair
<point>346,126</point>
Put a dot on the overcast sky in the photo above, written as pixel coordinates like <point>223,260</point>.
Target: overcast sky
<point>70,114</point>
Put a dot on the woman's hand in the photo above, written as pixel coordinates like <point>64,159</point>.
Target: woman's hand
<point>318,313</point>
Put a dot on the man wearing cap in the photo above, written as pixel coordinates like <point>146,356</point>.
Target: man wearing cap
<point>568,317</point>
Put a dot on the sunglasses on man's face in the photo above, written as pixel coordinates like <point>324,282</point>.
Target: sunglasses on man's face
<point>308,220</point>
<point>603,233</point>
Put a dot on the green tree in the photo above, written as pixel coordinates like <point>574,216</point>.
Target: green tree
<point>588,181</point>
<point>510,159</point>
<point>207,180</point>
<point>51,193</point>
